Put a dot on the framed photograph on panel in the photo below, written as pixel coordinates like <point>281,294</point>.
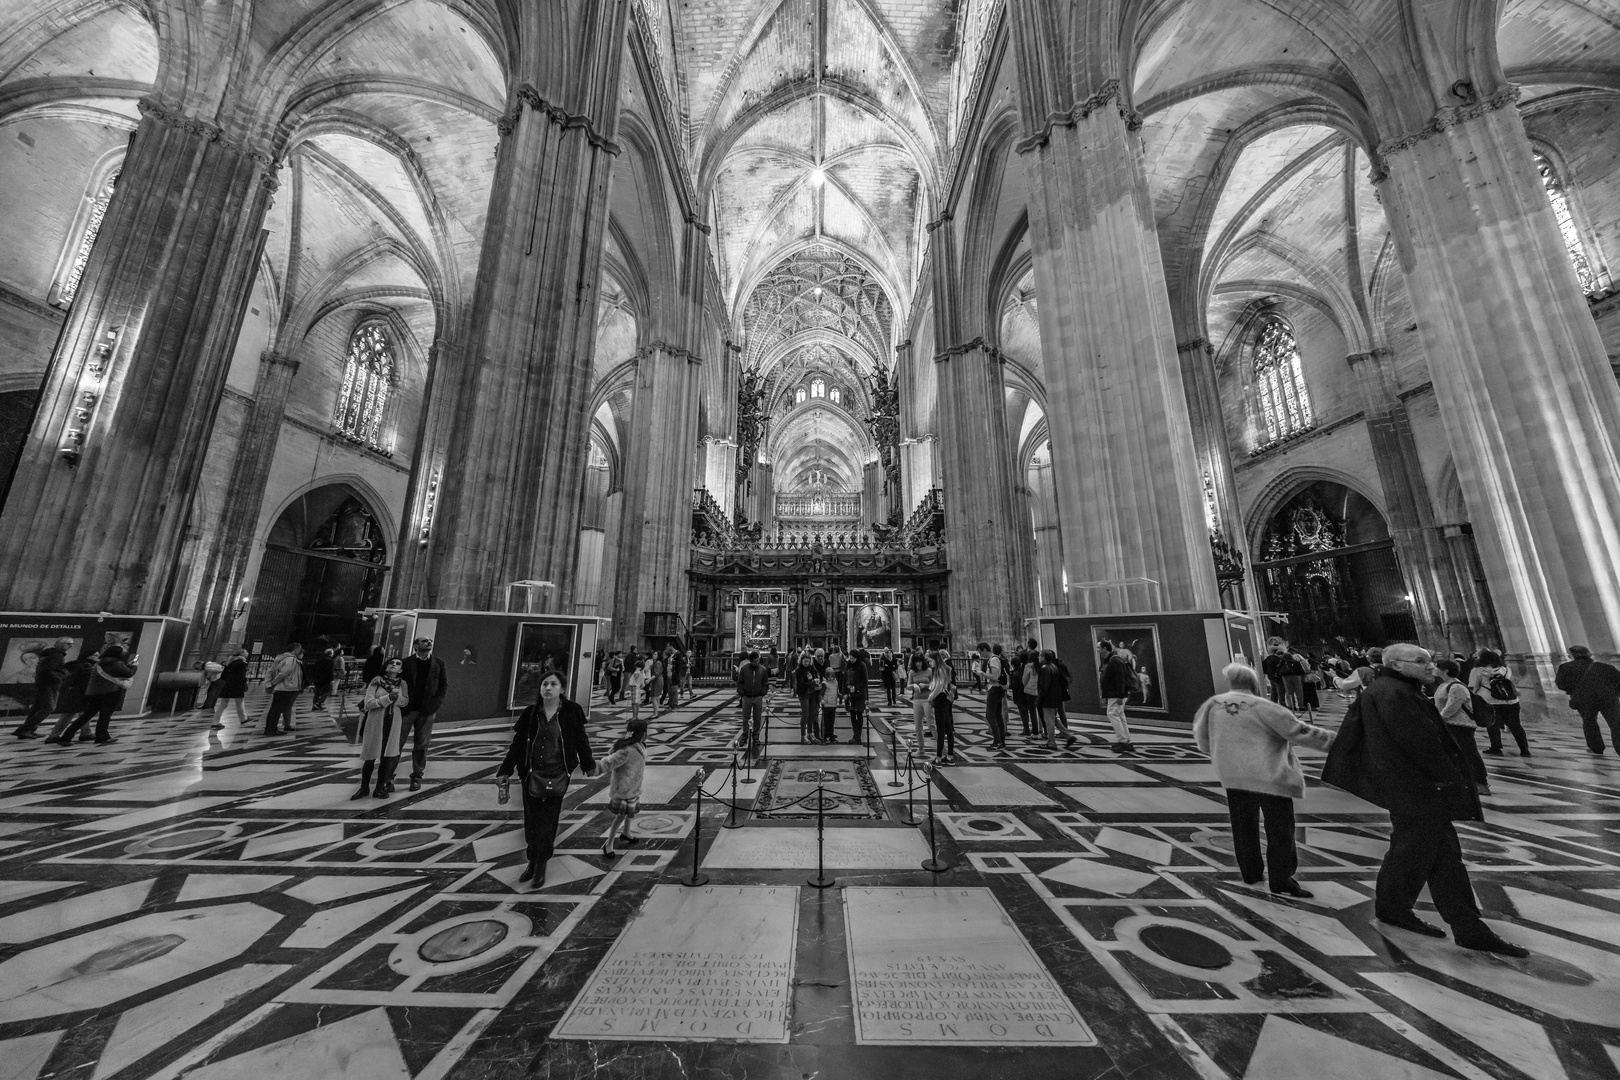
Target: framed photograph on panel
<point>1141,642</point>
<point>541,648</point>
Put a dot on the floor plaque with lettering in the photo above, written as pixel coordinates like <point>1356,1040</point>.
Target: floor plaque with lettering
<point>695,965</point>
<point>790,848</point>
<point>948,966</point>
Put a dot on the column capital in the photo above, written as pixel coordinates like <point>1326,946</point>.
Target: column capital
<point>660,346</point>
<point>528,95</point>
<point>271,358</point>
<point>171,116</point>
<point>1381,353</point>
<point>977,344</point>
<point>1110,93</point>
<point>1193,345</point>
<point>1444,119</point>
<point>944,218</point>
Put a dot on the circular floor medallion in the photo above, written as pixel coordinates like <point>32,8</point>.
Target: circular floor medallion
<point>989,825</point>
<point>1186,946</point>
<point>408,841</point>
<point>462,941</point>
<point>176,841</point>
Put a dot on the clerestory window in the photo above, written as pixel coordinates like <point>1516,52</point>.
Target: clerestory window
<point>369,380</point>
<point>1279,382</point>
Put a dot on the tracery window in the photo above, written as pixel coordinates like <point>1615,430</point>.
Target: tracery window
<point>799,396</point>
<point>1279,382</point>
<point>369,379</point>
<point>92,229</point>
<point>818,388</point>
<point>1554,186</point>
<point>835,395</point>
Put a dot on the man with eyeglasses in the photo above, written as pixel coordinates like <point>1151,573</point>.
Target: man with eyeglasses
<point>1402,759</point>
<point>426,680</point>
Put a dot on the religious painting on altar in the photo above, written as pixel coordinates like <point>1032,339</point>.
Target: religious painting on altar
<point>541,648</point>
<point>872,626</point>
<point>1141,642</point>
<point>761,628</point>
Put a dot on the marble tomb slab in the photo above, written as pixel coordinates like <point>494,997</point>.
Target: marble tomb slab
<point>948,967</point>
<point>1064,773</point>
<point>991,786</point>
<point>1148,800</point>
<point>695,965</point>
<point>758,848</point>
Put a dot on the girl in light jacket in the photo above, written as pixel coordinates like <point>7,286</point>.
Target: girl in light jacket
<point>382,707</point>
<point>627,765</point>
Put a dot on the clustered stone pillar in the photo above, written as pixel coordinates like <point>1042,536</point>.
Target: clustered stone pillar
<point>1048,537</point>
<point>96,516</point>
<point>408,582</point>
<point>1425,558</point>
<point>224,580</point>
<point>1526,391</point>
<point>1212,446</point>
<point>1128,486</point>
<point>509,503</point>
<point>655,537</point>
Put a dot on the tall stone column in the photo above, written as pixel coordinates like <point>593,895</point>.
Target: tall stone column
<point>1048,537</point>
<point>1529,400</point>
<point>1212,446</point>
<point>408,582</point>
<point>1425,558</point>
<point>1126,472</point>
<point>612,518</point>
<point>95,518</point>
<point>224,583</point>
<point>655,537</point>
<point>510,497</point>
<point>991,594</point>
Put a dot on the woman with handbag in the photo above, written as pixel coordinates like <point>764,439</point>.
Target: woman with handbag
<point>113,673</point>
<point>1457,709</point>
<point>941,693</point>
<point>548,743</point>
<point>382,720</point>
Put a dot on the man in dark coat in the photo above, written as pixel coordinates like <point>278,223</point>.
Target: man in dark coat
<point>426,680</point>
<point>1392,749</point>
<point>1593,687</point>
<point>49,675</point>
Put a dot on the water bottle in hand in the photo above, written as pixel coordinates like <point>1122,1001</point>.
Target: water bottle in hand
<point>503,789</point>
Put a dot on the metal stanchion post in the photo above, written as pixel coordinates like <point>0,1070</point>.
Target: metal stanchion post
<point>911,816</point>
<point>894,734</point>
<point>821,880</point>
<point>697,838</point>
<point>933,862</point>
<point>731,819</point>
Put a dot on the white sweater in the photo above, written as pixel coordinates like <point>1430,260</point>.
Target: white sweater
<point>1251,740</point>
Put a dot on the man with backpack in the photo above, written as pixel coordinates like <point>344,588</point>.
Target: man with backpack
<point>995,698</point>
<point>1593,687</point>
<point>1025,698</point>
<point>753,683</point>
<point>1116,681</point>
<point>1492,681</point>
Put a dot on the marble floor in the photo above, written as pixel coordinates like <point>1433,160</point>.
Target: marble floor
<point>209,904</point>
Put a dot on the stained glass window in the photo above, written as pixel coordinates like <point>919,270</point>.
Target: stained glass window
<point>1554,185</point>
<point>818,388</point>
<point>368,383</point>
<point>835,396</point>
<point>1279,381</point>
<point>92,229</point>
<point>798,398</point>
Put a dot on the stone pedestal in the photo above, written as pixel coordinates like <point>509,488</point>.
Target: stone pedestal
<point>1126,473</point>
<point>510,497</point>
<point>224,581</point>
<point>1529,400</point>
<point>96,514</point>
<point>655,537</point>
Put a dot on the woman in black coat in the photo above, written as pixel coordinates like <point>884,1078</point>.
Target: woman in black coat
<point>232,689</point>
<point>112,675</point>
<point>548,743</point>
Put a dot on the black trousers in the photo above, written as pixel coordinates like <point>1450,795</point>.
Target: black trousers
<point>45,699</point>
<point>540,818</point>
<point>1245,809</point>
<point>995,713</point>
<point>857,715</point>
<point>1464,738</point>
<point>889,688</point>
<point>1028,713</point>
<point>1589,725</point>
<point>1424,850</point>
<point>100,706</point>
<point>1507,715</point>
<point>829,719</point>
<point>944,727</point>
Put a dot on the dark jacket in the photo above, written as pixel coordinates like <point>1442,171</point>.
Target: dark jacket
<point>1590,684</point>
<point>1051,695</point>
<point>1276,665</point>
<point>319,669</point>
<point>857,677</point>
<point>373,666</point>
<point>234,679</point>
<point>102,676</point>
<point>576,745</point>
<point>1114,680</point>
<point>806,681</point>
<point>753,679</point>
<point>428,682</point>
<point>1393,751</point>
<point>51,671</point>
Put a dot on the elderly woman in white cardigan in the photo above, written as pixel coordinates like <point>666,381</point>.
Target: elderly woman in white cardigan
<point>1251,740</point>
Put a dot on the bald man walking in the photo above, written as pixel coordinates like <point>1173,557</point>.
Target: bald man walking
<point>1396,753</point>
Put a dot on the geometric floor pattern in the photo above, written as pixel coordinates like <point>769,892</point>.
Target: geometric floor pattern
<point>208,904</point>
